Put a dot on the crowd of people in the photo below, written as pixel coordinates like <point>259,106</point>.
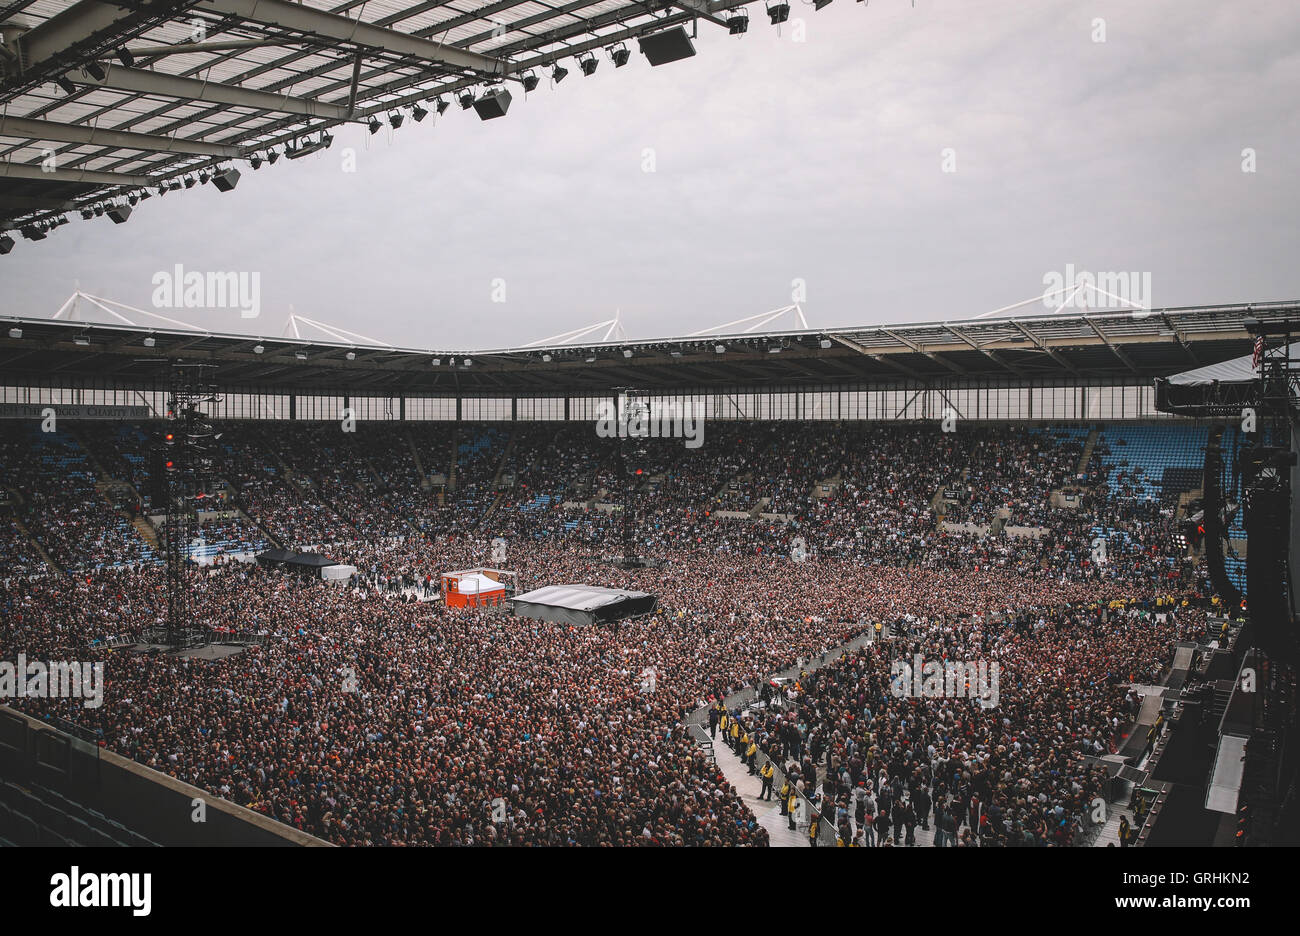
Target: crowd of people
<point>364,716</point>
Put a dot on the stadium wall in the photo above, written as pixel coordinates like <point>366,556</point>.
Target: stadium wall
<point>152,804</point>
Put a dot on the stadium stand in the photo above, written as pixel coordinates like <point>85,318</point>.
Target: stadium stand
<point>877,552</point>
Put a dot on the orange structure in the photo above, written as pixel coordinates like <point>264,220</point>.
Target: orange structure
<point>473,588</point>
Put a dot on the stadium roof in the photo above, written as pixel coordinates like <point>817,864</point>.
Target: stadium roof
<point>110,99</point>
<point>1128,347</point>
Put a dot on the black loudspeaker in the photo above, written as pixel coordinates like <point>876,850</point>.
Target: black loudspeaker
<point>6,243</point>
<point>225,181</point>
<point>119,213</point>
<point>667,46</point>
<point>158,477</point>
<point>1268,522</point>
<point>1213,514</point>
<point>494,103</point>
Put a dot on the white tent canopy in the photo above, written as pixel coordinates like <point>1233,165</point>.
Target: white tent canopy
<point>1238,370</point>
<point>476,583</point>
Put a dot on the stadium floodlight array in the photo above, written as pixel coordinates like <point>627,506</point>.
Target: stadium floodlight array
<point>659,47</point>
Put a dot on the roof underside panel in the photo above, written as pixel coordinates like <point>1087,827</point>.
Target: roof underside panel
<point>256,75</point>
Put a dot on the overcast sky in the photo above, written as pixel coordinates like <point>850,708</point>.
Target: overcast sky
<point>775,160</point>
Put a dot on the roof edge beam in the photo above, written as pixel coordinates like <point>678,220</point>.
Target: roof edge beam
<point>87,176</point>
<point>337,28</point>
<point>140,81</point>
<point>24,128</point>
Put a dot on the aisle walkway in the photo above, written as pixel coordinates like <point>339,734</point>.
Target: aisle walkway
<point>768,813</point>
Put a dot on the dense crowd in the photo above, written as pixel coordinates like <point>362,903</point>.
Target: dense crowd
<point>368,717</point>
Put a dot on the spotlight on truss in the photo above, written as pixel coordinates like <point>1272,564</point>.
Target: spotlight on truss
<point>64,82</point>
<point>395,119</point>
<point>96,71</point>
<point>441,106</point>
<point>738,24</point>
<point>588,63</point>
<point>467,99</point>
<point>125,57</point>
<point>530,80</point>
<point>374,125</point>
<point>558,73</point>
<point>778,13</point>
<point>419,113</point>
